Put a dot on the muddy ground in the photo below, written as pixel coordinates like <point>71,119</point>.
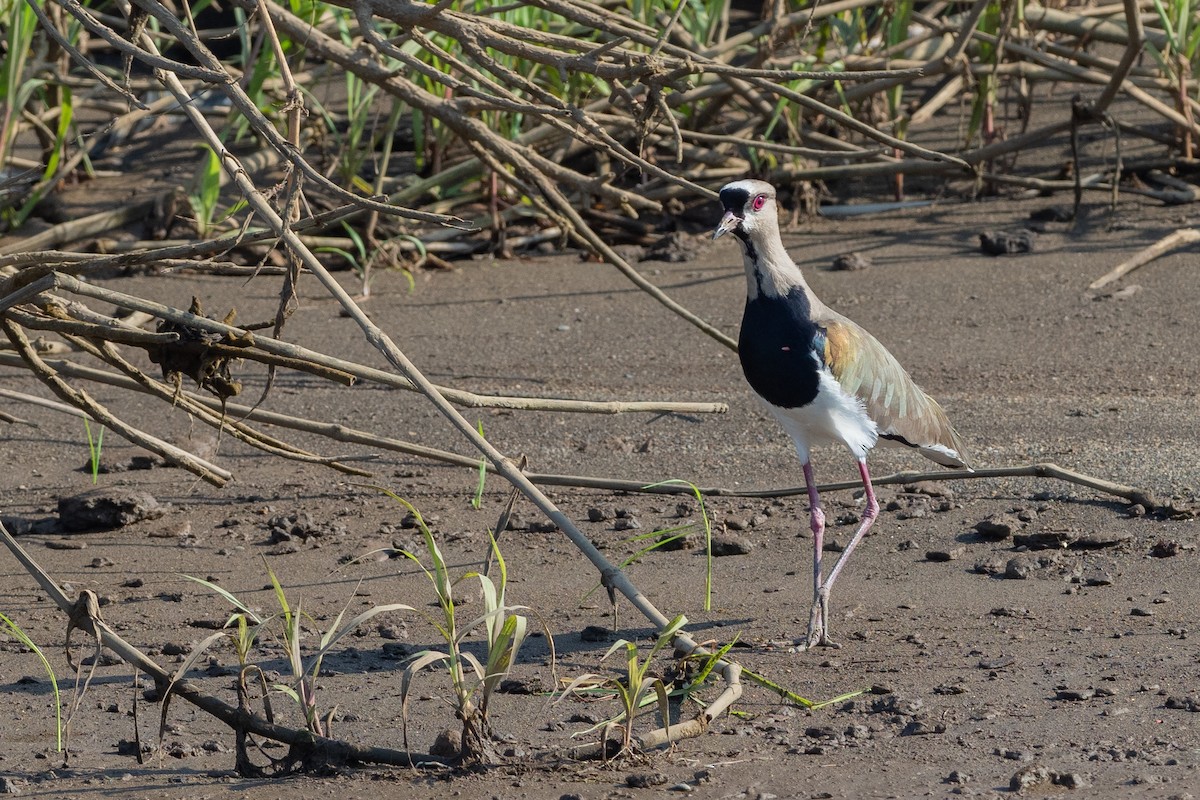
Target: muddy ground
<point>985,662</point>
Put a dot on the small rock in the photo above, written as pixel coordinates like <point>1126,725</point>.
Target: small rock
<point>997,527</point>
<point>730,544</point>
<point>597,514</point>
<point>393,631</point>
<point>678,540</point>
<point>1020,567</point>
<point>1141,612</point>
<point>448,744</point>
<point>106,509</point>
<point>1052,214</point>
<point>920,727</point>
<point>1163,548</point>
<point>1184,703</point>
<point>595,633</point>
<point>851,262</point>
<point>645,780</point>
<point>1097,578</point>
<point>1075,695</point>
<point>1100,540</point>
<point>1029,777</point>
<point>65,544</point>
<point>1003,243</point>
<point>1071,780</point>
<point>396,651</point>
<point>953,554</point>
<point>1043,540</point>
<point>626,524</point>
<point>991,565</point>
<point>958,777</point>
<point>930,488</point>
<point>107,658</point>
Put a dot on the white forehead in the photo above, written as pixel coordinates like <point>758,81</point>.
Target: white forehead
<point>750,186</point>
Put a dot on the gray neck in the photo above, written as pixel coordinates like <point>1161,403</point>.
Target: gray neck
<point>770,271</point>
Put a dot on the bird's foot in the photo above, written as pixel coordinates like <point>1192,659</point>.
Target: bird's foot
<point>818,628</point>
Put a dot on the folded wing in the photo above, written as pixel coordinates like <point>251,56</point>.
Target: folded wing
<point>903,413</point>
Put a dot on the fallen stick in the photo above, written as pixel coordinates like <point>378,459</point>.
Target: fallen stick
<point>1180,238</point>
<point>317,748</point>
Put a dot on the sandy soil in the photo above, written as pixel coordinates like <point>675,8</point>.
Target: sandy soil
<point>1077,674</point>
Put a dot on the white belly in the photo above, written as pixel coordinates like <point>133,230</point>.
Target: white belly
<point>833,417</point>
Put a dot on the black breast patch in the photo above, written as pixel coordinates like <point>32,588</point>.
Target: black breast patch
<point>776,347</point>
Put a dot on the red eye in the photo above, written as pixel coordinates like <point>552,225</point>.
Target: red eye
<point>758,202</point>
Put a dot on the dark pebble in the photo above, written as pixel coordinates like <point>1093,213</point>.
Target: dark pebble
<point>448,744</point>
<point>645,780</point>
<point>1003,243</point>
<point>396,651</point>
<point>65,544</point>
<point>996,527</point>
<point>730,544</point>
<point>1163,548</point>
<point>1188,703</point>
<point>680,540</point>
<point>1029,777</point>
<point>1020,567</point>
<point>851,262</point>
<point>597,514</point>
<point>920,727</point>
<point>1052,214</point>
<point>106,509</point>
<point>1044,540</point>
<point>595,633</point>
<point>1101,540</point>
<point>992,565</point>
<point>953,554</point>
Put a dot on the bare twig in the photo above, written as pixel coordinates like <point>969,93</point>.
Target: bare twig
<point>1180,238</point>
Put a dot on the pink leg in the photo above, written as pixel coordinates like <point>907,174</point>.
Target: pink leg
<point>817,523</point>
<point>818,626</point>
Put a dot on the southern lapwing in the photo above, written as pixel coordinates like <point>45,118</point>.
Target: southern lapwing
<point>823,377</point>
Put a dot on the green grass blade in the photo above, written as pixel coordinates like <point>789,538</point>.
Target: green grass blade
<point>24,639</point>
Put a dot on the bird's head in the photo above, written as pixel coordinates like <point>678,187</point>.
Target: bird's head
<point>749,208</point>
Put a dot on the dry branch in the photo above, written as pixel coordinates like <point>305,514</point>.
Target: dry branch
<point>1180,238</point>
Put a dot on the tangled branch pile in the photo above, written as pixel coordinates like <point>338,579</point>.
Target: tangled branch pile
<point>463,127</point>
